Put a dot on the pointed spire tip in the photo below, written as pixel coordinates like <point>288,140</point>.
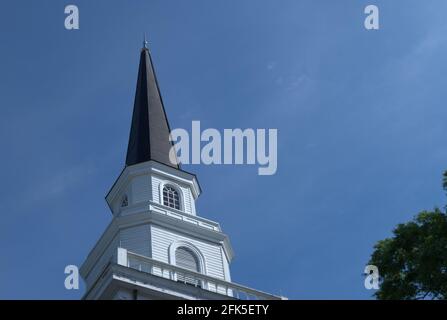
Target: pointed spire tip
<point>145,43</point>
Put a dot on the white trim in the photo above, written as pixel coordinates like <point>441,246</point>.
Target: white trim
<point>225,266</point>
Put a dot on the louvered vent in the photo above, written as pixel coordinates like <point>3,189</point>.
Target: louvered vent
<point>186,259</point>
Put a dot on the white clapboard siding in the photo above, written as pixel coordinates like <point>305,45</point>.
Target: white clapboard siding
<point>188,201</point>
<point>156,188</point>
<point>163,238</point>
<point>137,240</point>
<point>141,189</point>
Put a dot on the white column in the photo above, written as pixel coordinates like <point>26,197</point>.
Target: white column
<point>121,257</point>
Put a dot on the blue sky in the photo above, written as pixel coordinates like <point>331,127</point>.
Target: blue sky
<point>360,118</point>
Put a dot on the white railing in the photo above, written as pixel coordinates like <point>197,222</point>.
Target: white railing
<point>177,214</point>
<point>174,273</point>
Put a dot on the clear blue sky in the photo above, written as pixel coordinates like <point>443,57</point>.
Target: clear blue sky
<point>361,118</point>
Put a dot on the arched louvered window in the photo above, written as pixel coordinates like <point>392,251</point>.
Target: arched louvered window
<point>186,259</point>
<point>171,197</point>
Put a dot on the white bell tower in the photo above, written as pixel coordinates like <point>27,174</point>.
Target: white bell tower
<point>156,246</point>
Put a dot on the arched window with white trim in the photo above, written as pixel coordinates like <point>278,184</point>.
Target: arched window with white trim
<point>171,197</point>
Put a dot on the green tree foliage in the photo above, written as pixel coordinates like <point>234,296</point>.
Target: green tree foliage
<point>413,263</point>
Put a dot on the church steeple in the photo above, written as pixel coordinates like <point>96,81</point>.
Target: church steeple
<point>149,133</point>
<point>157,246</point>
